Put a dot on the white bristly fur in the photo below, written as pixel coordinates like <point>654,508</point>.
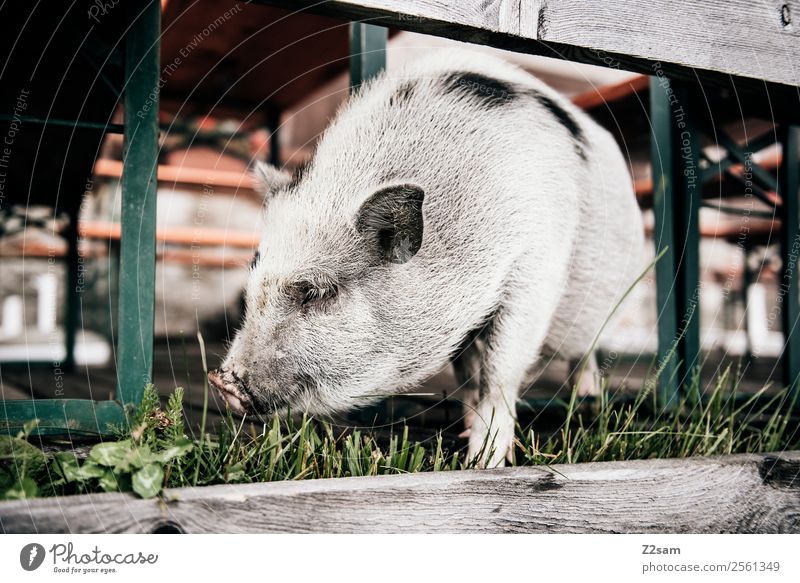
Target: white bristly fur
<point>522,236</point>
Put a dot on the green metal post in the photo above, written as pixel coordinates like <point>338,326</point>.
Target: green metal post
<point>61,416</point>
<point>367,51</point>
<point>273,116</point>
<point>675,143</point>
<point>71,295</point>
<point>789,190</point>
<point>138,244</point>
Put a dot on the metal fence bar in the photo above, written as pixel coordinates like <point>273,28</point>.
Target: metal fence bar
<point>71,298</point>
<point>273,116</point>
<point>789,190</point>
<point>60,416</point>
<point>138,239</point>
<point>675,144</point>
<point>367,51</point>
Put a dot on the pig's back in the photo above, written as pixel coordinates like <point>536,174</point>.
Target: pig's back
<point>519,185</point>
<point>563,187</point>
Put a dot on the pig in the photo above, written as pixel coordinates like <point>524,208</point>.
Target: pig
<point>456,211</point>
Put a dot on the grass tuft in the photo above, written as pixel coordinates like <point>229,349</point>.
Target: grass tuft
<point>154,453</point>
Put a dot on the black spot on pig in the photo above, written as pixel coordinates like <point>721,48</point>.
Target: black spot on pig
<point>402,94</point>
<point>483,90</point>
<point>299,173</point>
<point>488,93</point>
<point>565,119</point>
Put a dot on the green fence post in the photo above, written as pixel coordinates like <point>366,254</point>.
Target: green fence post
<point>677,191</point>
<point>367,51</point>
<point>789,190</point>
<point>137,244</point>
<point>71,295</point>
<point>273,120</point>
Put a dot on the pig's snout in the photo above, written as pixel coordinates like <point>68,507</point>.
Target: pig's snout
<point>231,389</point>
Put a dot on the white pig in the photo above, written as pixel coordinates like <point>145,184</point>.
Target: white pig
<point>457,211</point>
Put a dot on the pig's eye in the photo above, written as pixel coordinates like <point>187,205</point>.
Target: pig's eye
<point>307,293</point>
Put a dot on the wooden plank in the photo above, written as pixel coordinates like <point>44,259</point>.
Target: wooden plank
<point>755,493</point>
<point>194,235</point>
<point>738,37</point>
<point>206,177</point>
<point>607,94</point>
<point>755,228</point>
<point>224,260</point>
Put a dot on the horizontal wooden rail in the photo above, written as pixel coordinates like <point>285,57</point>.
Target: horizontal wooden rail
<point>734,231</point>
<point>604,94</point>
<point>193,176</point>
<point>183,175</point>
<point>750,493</point>
<point>180,256</point>
<point>684,38</point>
<point>205,259</point>
<point>179,235</point>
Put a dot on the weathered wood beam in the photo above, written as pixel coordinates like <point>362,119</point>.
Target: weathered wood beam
<point>740,493</point>
<point>178,235</point>
<point>714,39</point>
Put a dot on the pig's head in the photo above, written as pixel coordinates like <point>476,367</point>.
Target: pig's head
<point>324,321</point>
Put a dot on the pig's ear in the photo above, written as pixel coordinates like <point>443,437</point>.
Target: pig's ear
<point>269,179</point>
<point>391,222</point>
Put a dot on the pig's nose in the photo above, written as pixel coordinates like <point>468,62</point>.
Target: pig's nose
<point>230,391</point>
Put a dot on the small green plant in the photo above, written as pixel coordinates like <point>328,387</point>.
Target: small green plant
<point>137,461</point>
<point>22,465</point>
<point>153,452</point>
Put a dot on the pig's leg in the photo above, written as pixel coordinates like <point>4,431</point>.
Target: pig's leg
<point>511,346</point>
<point>584,375</point>
<point>467,370</point>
